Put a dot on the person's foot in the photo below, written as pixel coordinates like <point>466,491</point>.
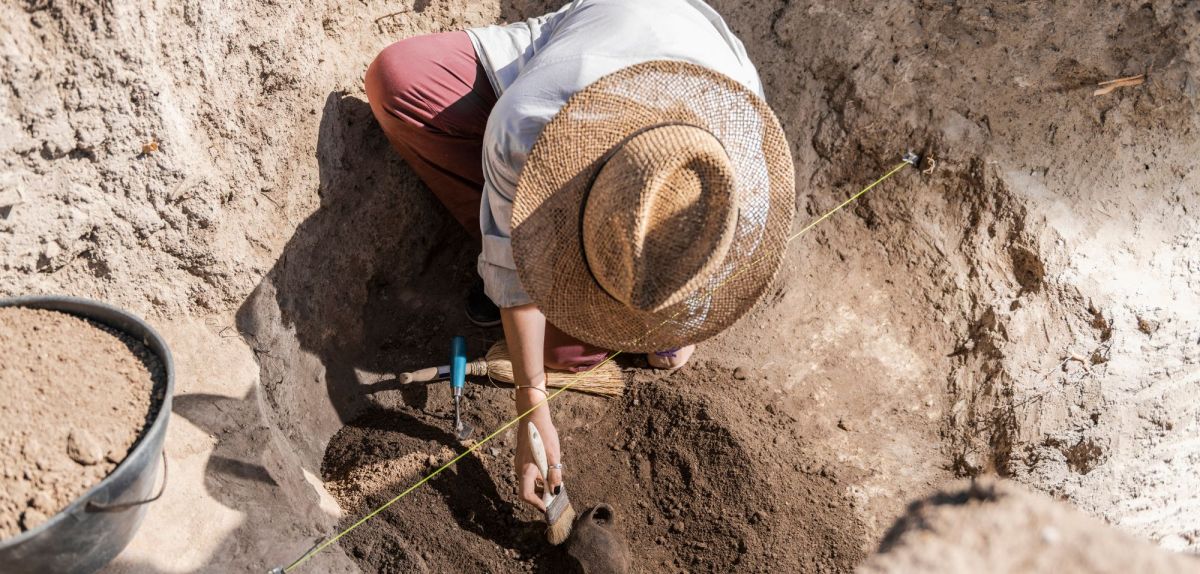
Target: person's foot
<point>671,359</point>
<point>480,309</point>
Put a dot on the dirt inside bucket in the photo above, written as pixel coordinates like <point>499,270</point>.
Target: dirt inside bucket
<point>700,473</point>
<point>75,396</point>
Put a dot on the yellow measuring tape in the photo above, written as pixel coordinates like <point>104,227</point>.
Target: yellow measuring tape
<point>910,159</point>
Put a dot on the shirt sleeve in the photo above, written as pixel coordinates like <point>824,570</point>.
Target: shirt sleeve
<point>496,265</point>
<point>504,50</point>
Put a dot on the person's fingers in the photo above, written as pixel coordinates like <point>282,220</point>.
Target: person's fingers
<point>529,476</point>
<point>555,480</point>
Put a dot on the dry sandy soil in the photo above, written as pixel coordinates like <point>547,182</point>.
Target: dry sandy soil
<point>989,526</point>
<point>1027,306</point>
<point>74,397</point>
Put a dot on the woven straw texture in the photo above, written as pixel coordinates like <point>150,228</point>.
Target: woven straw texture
<point>682,238</point>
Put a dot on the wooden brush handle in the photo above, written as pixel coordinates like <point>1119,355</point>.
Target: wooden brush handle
<point>421,376</point>
<point>539,458</point>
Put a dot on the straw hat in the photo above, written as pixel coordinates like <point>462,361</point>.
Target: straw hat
<point>654,207</point>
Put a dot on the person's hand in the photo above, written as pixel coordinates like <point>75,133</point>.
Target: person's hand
<point>532,486</point>
<point>525,332</point>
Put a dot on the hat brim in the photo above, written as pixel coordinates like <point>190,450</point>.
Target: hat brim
<point>551,191</point>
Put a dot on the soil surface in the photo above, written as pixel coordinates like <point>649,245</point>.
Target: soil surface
<point>701,475</point>
<point>1028,305</point>
<point>74,398</point>
<point>1000,528</point>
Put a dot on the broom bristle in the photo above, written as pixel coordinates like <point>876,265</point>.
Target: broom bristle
<point>605,380</point>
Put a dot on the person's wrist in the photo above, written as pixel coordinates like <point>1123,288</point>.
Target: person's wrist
<point>531,393</point>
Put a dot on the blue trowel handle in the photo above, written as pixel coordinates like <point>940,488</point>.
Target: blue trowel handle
<point>458,363</point>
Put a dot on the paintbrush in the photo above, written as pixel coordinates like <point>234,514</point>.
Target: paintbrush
<point>560,516</point>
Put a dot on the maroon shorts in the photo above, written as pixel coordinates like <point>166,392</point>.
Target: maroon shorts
<point>432,99</point>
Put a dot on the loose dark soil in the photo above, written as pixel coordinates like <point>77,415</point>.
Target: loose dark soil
<point>75,397</point>
<point>701,475</point>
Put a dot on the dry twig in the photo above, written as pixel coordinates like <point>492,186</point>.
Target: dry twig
<point>1106,87</point>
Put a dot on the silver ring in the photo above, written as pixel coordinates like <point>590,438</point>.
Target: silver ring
<point>558,466</point>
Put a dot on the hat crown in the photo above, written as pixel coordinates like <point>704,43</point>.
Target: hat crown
<point>659,216</point>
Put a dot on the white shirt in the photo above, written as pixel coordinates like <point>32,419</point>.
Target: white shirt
<point>536,65</point>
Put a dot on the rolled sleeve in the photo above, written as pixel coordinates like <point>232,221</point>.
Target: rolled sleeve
<point>502,285</point>
<point>496,265</point>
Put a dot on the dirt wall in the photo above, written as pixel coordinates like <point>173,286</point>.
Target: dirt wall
<point>999,527</point>
<point>1027,307</point>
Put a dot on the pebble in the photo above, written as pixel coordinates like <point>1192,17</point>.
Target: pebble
<point>677,527</point>
<point>41,501</point>
<point>83,448</point>
<point>31,518</point>
<point>739,373</point>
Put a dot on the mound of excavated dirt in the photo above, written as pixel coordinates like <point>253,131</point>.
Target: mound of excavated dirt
<point>74,398</point>
<point>997,527</point>
<point>701,475</point>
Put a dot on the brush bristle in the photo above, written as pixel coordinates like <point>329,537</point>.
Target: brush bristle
<point>560,529</point>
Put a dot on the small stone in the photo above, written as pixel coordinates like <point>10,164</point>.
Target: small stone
<point>31,518</point>
<point>1050,535</point>
<point>842,424</point>
<point>739,373</point>
<point>1147,326</point>
<point>660,541</point>
<point>494,451</point>
<point>677,527</point>
<point>41,501</point>
<point>432,460</point>
<point>84,449</point>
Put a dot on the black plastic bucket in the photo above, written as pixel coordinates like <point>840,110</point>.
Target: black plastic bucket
<point>89,533</point>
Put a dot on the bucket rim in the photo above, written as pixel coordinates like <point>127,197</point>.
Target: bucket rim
<point>80,307</point>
